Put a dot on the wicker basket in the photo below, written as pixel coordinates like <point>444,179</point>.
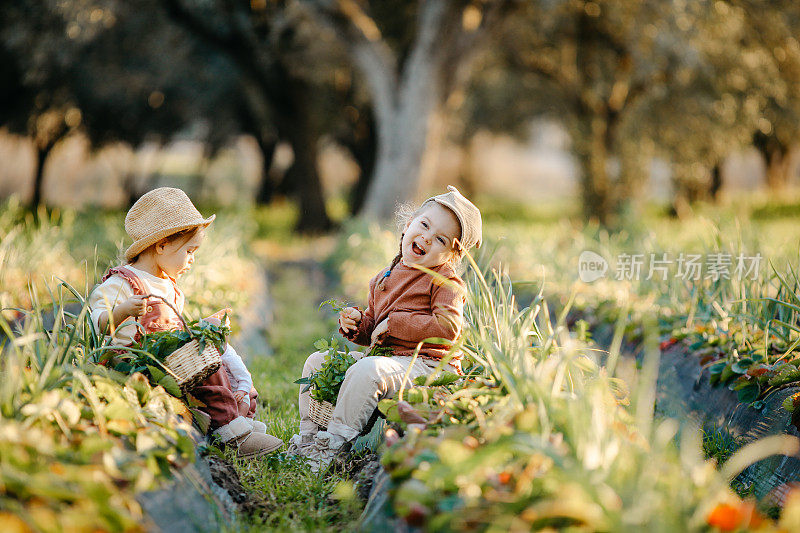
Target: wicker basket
<point>320,412</point>
<point>189,366</point>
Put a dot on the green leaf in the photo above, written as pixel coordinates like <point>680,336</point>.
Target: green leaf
<point>445,378</point>
<point>717,367</point>
<point>321,344</point>
<point>788,403</point>
<point>119,409</point>
<point>202,420</point>
<point>170,385</point>
<point>749,393</point>
<point>741,366</point>
<point>786,374</point>
<point>185,445</point>
<point>155,373</point>
<point>726,374</point>
<point>388,407</point>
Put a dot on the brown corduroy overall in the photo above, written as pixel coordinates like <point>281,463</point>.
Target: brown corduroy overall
<point>215,392</point>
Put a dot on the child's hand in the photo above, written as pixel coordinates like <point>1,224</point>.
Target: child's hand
<point>349,318</point>
<point>134,306</point>
<point>380,331</point>
<point>239,395</point>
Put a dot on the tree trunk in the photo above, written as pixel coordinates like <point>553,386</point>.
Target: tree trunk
<point>716,183</point>
<point>129,188</point>
<point>775,157</point>
<point>596,193</point>
<point>269,84</point>
<point>296,125</point>
<point>266,189</point>
<point>363,146</point>
<point>469,183</point>
<point>256,118</point>
<point>595,137</point>
<point>289,99</point>
<point>38,181</point>
<point>400,152</point>
<point>777,169</point>
<point>634,174</point>
<point>402,111</point>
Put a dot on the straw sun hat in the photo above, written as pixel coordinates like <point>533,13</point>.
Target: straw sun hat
<point>157,215</point>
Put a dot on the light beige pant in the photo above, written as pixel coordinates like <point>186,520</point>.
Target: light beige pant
<point>368,381</point>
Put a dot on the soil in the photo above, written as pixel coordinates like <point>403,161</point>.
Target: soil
<point>361,470</point>
<point>225,475</point>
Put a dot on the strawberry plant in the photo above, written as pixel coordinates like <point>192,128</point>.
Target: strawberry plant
<point>326,382</point>
<point>148,355</point>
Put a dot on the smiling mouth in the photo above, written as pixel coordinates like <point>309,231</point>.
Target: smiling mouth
<point>416,249</point>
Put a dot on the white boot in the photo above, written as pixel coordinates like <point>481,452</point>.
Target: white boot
<point>258,427</point>
<point>239,432</point>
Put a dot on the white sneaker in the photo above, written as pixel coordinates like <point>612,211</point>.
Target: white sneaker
<point>329,440</point>
<point>298,443</point>
<point>321,452</point>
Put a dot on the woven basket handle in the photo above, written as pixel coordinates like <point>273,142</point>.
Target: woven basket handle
<point>183,322</point>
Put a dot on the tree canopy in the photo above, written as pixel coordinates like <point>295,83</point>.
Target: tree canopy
<point>689,82</point>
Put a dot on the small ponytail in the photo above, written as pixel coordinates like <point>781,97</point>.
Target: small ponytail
<point>397,258</point>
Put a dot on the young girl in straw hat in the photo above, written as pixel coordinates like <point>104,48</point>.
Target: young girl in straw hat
<point>406,306</point>
<point>167,230</point>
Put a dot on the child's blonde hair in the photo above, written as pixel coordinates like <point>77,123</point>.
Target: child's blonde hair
<point>403,215</point>
<point>469,221</point>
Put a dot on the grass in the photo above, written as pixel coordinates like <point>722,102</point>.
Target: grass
<point>557,449</point>
<point>719,444</point>
<point>293,498</point>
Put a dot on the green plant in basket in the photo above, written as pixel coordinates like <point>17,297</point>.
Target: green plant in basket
<point>148,355</point>
<point>162,343</point>
<point>326,382</point>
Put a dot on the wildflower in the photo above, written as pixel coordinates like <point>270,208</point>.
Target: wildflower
<point>725,517</point>
<point>729,517</point>
<point>667,343</point>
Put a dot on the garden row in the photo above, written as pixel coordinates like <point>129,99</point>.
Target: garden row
<point>541,434</point>
<point>80,443</point>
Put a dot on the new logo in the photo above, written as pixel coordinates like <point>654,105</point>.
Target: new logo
<point>591,266</point>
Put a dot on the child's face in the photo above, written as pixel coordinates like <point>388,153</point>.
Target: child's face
<point>428,237</point>
<point>176,257</point>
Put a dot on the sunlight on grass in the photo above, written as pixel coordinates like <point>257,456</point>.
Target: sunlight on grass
<point>294,499</point>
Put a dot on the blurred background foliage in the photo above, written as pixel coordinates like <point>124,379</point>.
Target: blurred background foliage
<point>403,94</point>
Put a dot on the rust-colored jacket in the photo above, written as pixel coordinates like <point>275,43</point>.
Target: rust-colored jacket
<point>417,307</point>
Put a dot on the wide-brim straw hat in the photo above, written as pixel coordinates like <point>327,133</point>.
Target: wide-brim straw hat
<point>469,216</point>
<point>159,214</point>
